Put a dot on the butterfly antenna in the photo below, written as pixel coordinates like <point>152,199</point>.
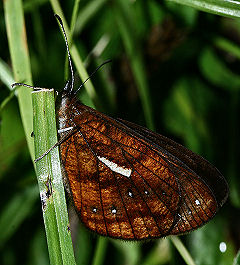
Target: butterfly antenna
<point>68,52</point>
<point>94,72</point>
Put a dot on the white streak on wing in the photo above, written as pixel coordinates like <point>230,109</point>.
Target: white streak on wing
<point>197,202</point>
<point>65,129</point>
<point>116,168</point>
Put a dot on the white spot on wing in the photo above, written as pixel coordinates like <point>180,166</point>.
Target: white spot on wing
<point>114,167</point>
<point>114,211</point>
<point>197,202</point>
<point>65,129</point>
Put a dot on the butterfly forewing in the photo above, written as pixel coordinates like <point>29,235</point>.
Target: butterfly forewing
<point>124,184</point>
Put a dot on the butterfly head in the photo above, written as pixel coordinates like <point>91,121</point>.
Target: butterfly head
<point>67,91</point>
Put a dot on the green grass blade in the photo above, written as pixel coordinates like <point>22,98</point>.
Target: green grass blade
<point>7,78</point>
<point>220,7</point>
<point>17,40</point>
<point>159,254</point>
<point>182,250</point>
<point>100,251</point>
<point>43,175</point>
<point>50,180</point>
<point>237,259</point>
<point>6,74</point>
<point>228,46</point>
<point>129,38</point>
<point>88,12</point>
<point>131,253</point>
<point>15,212</point>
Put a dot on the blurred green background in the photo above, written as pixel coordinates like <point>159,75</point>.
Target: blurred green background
<point>174,69</point>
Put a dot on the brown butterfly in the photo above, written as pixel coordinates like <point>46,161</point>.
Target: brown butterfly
<point>128,182</point>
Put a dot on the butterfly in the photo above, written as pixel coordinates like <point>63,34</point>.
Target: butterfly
<point>128,182</point>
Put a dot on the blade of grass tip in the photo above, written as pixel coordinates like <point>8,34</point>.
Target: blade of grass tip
<point>75,55</point>
<point>182,250</point>
<point>17,40</point>
<point>50,180</point>
<point>130,42</point>
<point>100,251</point>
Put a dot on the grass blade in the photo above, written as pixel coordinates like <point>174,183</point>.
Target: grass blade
<point>127,30</point>
<point>223,7</point>
<point>20,62</point>
<point>182,250</point>
<point>50,180</point>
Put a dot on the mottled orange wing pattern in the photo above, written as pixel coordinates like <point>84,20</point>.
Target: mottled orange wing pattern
<point>125,182</point>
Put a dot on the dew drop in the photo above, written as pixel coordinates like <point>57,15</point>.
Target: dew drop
<point>94,209</point>
<point>222,247</point>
